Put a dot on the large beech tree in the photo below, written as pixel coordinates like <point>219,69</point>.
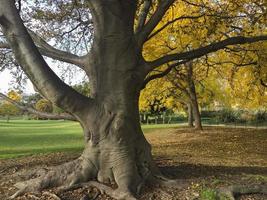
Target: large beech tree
<point>115,147</point>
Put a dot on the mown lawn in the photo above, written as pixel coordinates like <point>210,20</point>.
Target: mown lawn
<point>27,137</point>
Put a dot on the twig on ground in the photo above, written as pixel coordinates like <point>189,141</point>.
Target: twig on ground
<point>3,170</point>
<point>52,195</point>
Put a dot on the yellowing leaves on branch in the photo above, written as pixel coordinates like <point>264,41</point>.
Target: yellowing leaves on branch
<point>156,96</point>
<point>14,95</point>
<point>239,72</point>
<point>8,109</point>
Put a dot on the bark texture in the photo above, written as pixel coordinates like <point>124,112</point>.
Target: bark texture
<point>193,96</point>
<point>190,118</point>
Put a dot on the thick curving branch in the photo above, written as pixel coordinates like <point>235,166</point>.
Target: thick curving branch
<point>154,20</point>
<point>47,50</point>
<point>197,53</point>
<point>51,52</point>
<point>65,116</point>
<point>34,65</point>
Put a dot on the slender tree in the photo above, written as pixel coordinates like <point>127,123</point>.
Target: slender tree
<point>115,147</point>
<point>183,80</point>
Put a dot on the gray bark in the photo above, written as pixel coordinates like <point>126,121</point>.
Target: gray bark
<point>193,96</point>
<point>190,118</point>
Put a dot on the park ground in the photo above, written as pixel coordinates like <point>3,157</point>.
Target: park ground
<point>205,160</point>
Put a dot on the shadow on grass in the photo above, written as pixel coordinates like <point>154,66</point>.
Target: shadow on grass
<point>191,171</point>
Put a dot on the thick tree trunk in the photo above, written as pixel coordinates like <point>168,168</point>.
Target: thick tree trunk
<point>116,150</point>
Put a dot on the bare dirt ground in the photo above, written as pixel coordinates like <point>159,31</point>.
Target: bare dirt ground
<point>205,160</point>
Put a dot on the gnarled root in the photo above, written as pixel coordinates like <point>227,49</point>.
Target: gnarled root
<point>163,181</point>
<point>104,189</point>
<point>66,174</point>
<point>233,191</point>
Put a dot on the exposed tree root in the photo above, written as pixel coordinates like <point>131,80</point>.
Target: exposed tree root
<point>104,189</point>
<point>234,191</point>
<point>39,183</point>
<point>66,174</point>
<point>167,182</point>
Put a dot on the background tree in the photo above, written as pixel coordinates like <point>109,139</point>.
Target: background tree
<point>8,109</point>
<point>155,100</point>
<point>183,79</point>
<point>44,106</point>
<point>116,149</point>
<point>83,88</point>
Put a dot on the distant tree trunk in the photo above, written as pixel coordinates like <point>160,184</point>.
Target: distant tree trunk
<point>196,114</point>
<point>193,96</point>
<point>7,118</point>
<point>170,119</point>
<point>163,117</point>
<point>190,118</point>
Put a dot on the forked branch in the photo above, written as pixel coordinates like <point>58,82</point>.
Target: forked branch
<point>143,15</point>
<point>154,20</point>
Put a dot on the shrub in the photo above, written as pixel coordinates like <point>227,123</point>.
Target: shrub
<point>44,105</point>
<point>228,116</point>
<point>261,116</point>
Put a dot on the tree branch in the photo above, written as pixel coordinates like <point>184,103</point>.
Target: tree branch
<point>164,73</point>
<point>4,45</point>
<point>154,20</point>
<point>263,83</point>
<point>51,52</point>
<point>34,65</point>
<point>196,53</point>
<point>171,22</point>
<point>143,15</point>
<point>36,112</point>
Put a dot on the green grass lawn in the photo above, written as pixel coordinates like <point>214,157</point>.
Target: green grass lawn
<point>27,137</point>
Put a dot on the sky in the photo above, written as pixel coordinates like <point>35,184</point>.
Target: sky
<point>5,83</point>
